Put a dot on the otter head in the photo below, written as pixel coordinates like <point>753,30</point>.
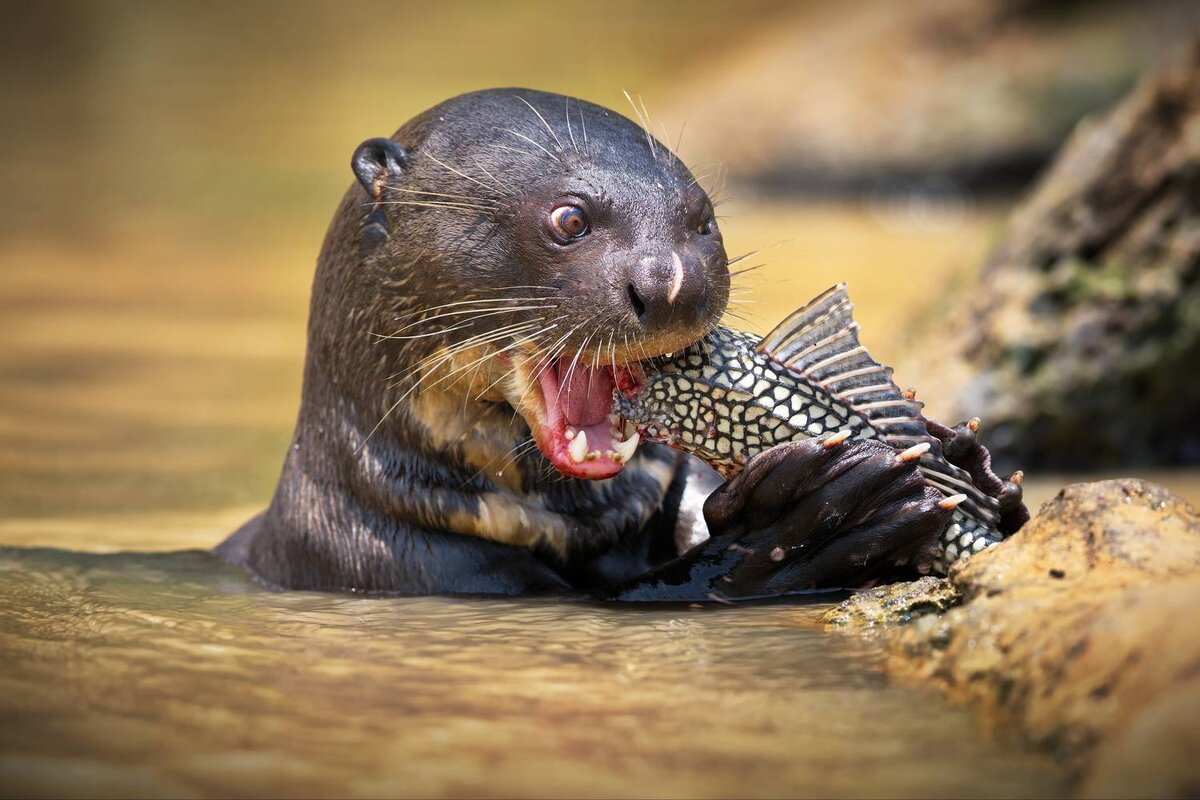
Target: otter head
<point>535,249</point>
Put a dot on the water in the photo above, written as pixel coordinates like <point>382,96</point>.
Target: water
<point>170,673</point>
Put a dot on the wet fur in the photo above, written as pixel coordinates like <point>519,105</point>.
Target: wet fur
<point>411,470</point>
<point>438,493</point>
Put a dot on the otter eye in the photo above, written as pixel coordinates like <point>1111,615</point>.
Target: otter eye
<point>569,222</point>
<point>706,227</point>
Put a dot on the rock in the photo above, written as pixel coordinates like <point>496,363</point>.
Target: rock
<point>893,603</point>
<point>1108,534</point>
<point>1079,342</point>
<point>1079,632</point>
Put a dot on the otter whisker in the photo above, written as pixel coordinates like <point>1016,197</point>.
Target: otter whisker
<point>574,362</point>
<point>737,316</point>
<point>531,141</point>
<point>480,304</point>
<point>412,389</point>
<point>440,331</point>
<point>512,369</point>
<point>443,165</point>
<point>679,138</point>
<point>729,262</point>
<point>452,349</point>
<point>426,371</point>
<point>583,127</point>
<point>543,119</point>
<point>432,361</point>
<point>741,272</point>
<point>478,314</point>
<point>434,204</point>
<point>478,201</point>
<point>666,137</point>
<point>554,351</point>
<point>645,125</point>
<point>514,454</point>
<point>515,150</point>
<point>479,361</point>
<point>485,171</point>
<point>570,133</point>
<point>474,301</point>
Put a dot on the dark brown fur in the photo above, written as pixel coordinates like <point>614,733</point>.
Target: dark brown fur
<point>412,475</point>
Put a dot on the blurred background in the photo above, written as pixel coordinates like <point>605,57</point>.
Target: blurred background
<point>167,170</point>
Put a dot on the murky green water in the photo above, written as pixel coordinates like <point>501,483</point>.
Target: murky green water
<point>171,674</point>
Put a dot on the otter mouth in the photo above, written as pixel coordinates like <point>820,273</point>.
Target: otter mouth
<point>579,431</point>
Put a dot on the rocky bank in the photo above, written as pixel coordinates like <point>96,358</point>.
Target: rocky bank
<point>1080,632</point>
<point>1078,342</point>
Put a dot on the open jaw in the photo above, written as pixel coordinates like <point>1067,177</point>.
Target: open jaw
<point>574,421</point>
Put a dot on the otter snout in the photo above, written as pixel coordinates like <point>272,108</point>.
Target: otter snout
<point>667,290</point>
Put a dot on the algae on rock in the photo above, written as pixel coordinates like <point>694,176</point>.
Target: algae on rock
<point>1079,346</point>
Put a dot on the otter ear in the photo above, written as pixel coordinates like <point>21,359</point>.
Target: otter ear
<point>377,160</point>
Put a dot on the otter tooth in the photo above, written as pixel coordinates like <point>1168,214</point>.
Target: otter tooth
<point>592,456</point>
<point>570,434</point>
<point>615,457</point>
<point>626,448</point>
<point>630,429</point>
<point>578,447</point>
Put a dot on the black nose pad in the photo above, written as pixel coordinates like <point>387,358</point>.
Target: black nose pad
<point>666,291</point>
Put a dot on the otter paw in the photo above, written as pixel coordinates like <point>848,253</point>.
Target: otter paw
<point>812,515</point>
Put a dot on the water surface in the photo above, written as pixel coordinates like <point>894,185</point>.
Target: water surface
<point>172,674</point>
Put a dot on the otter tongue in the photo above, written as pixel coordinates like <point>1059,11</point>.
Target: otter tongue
<point>586,394</point>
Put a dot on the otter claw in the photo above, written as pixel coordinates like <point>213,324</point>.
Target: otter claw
<point>1011,493</point>
<point>952,501</point>
<point>914,452</point>
<point>961,441</point>
<point>836,439</point>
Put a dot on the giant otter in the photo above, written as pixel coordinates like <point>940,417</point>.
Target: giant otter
<point>501,264</point>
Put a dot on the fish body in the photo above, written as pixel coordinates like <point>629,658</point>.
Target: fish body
<point>731,396</point>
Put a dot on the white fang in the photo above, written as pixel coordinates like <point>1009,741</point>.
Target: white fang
<point>626,448</point>
<point>577,449</point>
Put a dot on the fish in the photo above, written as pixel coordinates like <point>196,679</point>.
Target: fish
<point>730,396</point>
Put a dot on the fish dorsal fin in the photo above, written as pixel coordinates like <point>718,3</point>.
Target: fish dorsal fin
<point>820,342</point>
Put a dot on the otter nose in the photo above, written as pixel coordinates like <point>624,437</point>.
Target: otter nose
<point>666,290</point>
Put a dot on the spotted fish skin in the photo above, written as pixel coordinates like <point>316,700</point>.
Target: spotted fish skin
<point>731,396</point>
<point>723,402</point>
